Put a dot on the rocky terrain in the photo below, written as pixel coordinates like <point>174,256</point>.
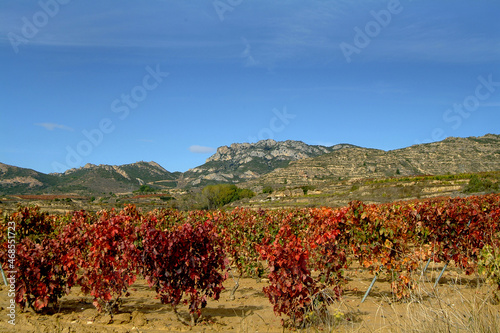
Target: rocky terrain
<point>450,156</point>
<point>244,161</point>
<point>20,180</point>
<point>267,163</point>
<point>89,179</point>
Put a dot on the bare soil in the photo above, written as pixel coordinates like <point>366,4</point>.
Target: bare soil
<point>251,311</point>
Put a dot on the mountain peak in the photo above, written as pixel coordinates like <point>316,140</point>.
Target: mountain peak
<point>156,165</point>
<point>243,161</point>
<point>290,162</point>
<point>289,150</point>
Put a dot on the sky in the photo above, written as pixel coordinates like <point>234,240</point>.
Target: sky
<point>115,82</point>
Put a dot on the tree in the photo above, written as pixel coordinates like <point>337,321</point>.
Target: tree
<point>145,189</point>
<point>216,196</point>
<point>478,184</point>
<point>267,189</point>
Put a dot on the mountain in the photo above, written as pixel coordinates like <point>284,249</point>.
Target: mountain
<point>244,161</point>
<point>267,163</point>
<point>20,180</point>
<point>111,178</point>
<point>88,179</point>
<point>452,155</point>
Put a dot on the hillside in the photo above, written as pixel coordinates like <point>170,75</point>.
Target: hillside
<point>267,163</point>
<point>20,180</point>
<point>243,161</point>
<point>450,156</point>
<point>111,178</point>
<point>89,179</point>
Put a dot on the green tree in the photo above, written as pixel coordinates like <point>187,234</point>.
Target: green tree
<point>267,189</point>
<point>144,189</point>
<point>478,184</point>
<point>306,188</point>
<point>216,196</point>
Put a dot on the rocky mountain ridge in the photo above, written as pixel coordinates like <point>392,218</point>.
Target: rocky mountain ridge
<point>452,155</point>
<point>240,162</point>
<point>268,149</point>
<point>23,180</point>
<point>267,163</point>
<point>88,179</point>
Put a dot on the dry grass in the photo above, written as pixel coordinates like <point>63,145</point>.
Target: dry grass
<point>450,310</point>
<point>457,305</point>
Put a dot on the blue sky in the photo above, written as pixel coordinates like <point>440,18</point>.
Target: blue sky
<point>115,82</point>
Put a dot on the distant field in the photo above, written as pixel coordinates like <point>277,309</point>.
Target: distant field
<point>49,196</point>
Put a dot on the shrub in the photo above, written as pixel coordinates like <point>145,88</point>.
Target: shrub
<point>106,253</point>
<point>478,184</point>
<point>219,195</point>
<point>267,189</point>
<point>36,258</point>
<point>184,265</point>
<point>290,283</point>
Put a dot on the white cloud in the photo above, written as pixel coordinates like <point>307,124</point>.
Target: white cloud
<point>201,149</point>
<point>52,126</point>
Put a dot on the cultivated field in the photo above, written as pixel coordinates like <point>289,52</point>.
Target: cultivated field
<point>296,269</point>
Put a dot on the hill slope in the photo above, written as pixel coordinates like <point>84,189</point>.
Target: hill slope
<point>111,178</point>
<point>88,179</point>
<point>20,180</point>
<point>452,155</point>
<point>267,163</point>
<point>243,161</point>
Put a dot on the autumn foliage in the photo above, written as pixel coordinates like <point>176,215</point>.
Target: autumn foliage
<point>183,264</point>
<point>185,256</point>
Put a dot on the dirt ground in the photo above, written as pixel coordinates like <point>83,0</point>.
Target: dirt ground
<point>456,296</point>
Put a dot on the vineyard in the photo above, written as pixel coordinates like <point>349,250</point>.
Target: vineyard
<point>303,254</point>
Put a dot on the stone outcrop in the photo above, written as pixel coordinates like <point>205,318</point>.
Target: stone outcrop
<point>285,164</point>
<point>245,161</point>
<point>452,155</point>
<point>241,153</point>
